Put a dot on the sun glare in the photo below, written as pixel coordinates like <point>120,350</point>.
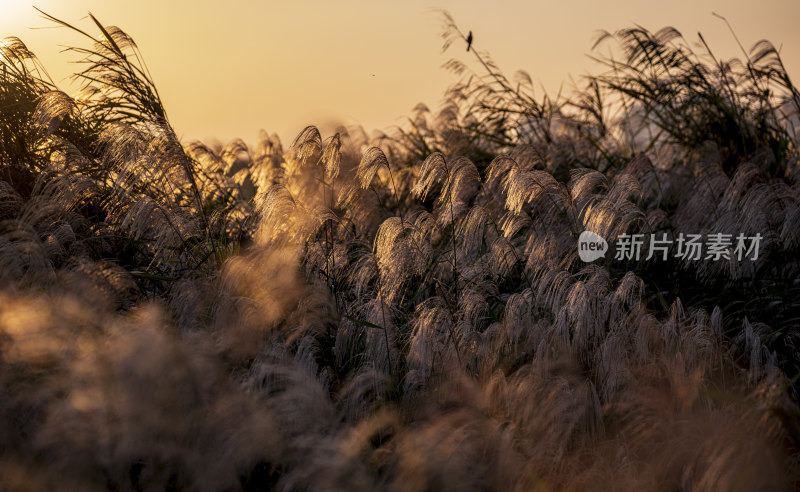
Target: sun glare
<point>12,15</point>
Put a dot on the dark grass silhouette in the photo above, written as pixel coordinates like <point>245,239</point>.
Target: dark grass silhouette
<point>407,313</point>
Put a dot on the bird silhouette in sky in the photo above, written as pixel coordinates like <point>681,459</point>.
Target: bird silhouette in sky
<point>469,40</point>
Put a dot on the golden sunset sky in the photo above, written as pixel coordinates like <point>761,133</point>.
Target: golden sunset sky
<point>228,68</point>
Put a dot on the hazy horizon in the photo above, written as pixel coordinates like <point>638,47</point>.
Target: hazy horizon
<point>282,67</point>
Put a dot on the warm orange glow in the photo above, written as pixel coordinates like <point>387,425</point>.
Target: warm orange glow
<point>226,69</point>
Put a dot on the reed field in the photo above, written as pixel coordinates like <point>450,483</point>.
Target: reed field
<point>404,311</point>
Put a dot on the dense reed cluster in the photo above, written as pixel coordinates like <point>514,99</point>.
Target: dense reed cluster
<point>407,311</point>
